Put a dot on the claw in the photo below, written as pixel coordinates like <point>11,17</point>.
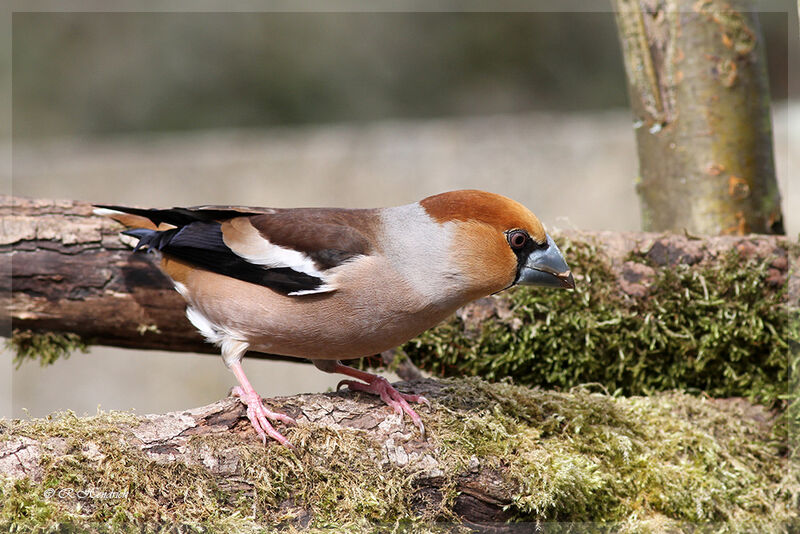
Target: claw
<point>396,400</point>
<point>257,413</point>
<point>344,383</point>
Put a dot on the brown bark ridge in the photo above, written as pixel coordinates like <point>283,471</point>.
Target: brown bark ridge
<point>698,89</point>
<point>71,273</point>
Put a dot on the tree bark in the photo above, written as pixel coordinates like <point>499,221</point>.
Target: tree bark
<point>71,273</point>
<point>698,89</point>
<point>165,438</point>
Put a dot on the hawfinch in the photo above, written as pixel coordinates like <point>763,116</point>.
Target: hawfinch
<point>330,284</point>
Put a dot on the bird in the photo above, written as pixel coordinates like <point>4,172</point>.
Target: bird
<point>329,284</point>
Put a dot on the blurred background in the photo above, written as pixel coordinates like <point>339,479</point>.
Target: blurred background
<point>312,109</point>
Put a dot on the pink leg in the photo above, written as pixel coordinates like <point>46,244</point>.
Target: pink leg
<point>256,411</point>
<point>380,386</point>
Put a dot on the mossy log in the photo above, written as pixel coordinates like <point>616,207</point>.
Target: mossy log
<point>649,313</point>
<point>71,273</point>
<point>495,453</point>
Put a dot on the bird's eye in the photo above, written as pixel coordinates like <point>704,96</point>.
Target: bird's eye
<point>517,239</point>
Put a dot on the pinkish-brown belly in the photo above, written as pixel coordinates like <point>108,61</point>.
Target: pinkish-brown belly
<point>357,320</point>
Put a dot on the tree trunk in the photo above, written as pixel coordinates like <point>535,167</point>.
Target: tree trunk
<point>698,88</point>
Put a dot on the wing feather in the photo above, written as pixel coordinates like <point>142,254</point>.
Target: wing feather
<point>289,251</point>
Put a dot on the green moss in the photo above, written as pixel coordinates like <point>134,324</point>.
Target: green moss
<point>720,329</point>
<point>24,503</point>
<point>640,464</point>
<point>669,459</point>
<point>338,478</point>
<point>789,429</point>
<point>46,347</point>
<point>142,491</point>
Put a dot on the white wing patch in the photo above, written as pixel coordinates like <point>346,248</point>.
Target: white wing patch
<point>246,242</point>
<point>325,288</point>
<point>270,255</point>
<point>275,256</point>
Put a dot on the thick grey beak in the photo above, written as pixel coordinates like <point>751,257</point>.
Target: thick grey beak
<point>546,267</point>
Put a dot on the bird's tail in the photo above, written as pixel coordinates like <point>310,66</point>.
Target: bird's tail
<point>160,219</point>
<point>151,227</point>
<point>130,217</point>
<point>150,239</point>
<point>154,228</point>
<point>164,219</point>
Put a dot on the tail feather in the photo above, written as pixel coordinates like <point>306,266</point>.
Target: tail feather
<point>149,217</point>
<point>150,239</point>
<point>156,228</point>
<point>128,219</point>
<point>174,217</point>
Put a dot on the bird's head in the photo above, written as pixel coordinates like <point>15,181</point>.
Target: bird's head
<point>498,242</point>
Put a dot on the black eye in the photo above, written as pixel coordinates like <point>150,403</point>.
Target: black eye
<point>517,239</point>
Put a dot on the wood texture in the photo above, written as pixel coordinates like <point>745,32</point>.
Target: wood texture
<point>700,98</point>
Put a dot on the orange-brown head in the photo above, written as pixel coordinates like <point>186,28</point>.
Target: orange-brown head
<point>499,242</point>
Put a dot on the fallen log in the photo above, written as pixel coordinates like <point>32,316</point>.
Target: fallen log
<point>72,273</point>
<point>494,453</point>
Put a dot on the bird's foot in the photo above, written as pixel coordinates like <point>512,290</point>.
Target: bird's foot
<point>398,401</point>
<point>259,415</point>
